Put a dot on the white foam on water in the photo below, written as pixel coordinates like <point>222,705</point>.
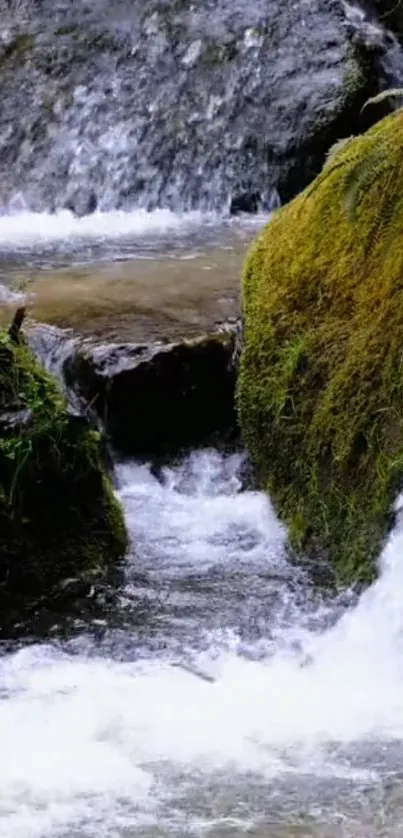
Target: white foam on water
<point>92,743</point>
<point>8,296</point>
<point>195,517</point>
<point>25,229</point>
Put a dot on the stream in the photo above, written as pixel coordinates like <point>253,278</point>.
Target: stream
<point>244,704</point>
<point>217,693</point>
<point>221,694</point>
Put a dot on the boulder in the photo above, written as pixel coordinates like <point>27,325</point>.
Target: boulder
<point>208,105</point>
<point>157,398</point>
<point>320,393</point>
<point>59,517</point>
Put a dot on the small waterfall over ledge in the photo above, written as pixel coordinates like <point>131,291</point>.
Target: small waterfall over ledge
<point>116,106</point>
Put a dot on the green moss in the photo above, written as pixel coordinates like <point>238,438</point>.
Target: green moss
<point>58,514</point>
<point>320,393</point>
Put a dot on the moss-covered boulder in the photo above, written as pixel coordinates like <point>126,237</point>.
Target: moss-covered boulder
<point>320,393</point>
<point>58,514</point>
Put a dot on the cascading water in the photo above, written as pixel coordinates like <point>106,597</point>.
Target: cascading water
<point>244,705</point>
<point>224,696</point>
<point>186,106</point>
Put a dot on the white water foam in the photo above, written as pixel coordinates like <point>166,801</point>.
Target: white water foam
<point>27,229</point>
<point>8,296</point>
<point>101,746</point>
<point>21,229</point>
<point>194,517</point>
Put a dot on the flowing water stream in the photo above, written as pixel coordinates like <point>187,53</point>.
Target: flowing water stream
<point>243,704</point>
<point>221,695</point>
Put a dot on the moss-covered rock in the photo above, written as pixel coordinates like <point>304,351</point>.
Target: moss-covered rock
<point>320,394</point>
<point>58,513</point>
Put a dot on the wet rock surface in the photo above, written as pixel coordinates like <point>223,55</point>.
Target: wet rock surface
<point>155,399</point>
<point>177,104</point>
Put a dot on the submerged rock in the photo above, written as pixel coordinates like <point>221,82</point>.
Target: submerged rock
<point>207,105</point>
<point>158,398</point>
<point>320,393</point>
<point>58,515</point>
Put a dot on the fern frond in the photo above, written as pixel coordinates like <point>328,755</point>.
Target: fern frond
<point>334,150</point>
<point>361,177</point>
<point>385,208</point>
<point>391,93</point>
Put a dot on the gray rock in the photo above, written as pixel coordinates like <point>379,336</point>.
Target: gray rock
<point>158,398</point>
<point>114,104</point>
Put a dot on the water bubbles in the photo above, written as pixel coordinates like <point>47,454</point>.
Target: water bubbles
<point>302,714</point>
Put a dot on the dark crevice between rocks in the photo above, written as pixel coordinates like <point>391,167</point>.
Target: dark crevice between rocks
<point>389,13</point>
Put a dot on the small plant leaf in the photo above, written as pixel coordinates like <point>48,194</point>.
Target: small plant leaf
<point>334,150</point>
<point>391,93</point>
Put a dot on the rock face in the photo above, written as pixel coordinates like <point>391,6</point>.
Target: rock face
<point>155,399</point>
<point>320,393</point>
<point>203,104</point>
<point>58,515</point>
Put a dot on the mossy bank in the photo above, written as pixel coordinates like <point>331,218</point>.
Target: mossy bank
<point>320,393</point>
<point>58,514</point>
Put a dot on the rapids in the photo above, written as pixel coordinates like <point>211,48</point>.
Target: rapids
<point>243,704</point>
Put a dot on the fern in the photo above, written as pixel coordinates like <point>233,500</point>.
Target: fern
<point>368,169</point>
<point>334,150</point>
<point>391,93</point>
<point>384,212</point>
<point>361,177</point>
<point>330,165</point>
<point>364,172</point>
